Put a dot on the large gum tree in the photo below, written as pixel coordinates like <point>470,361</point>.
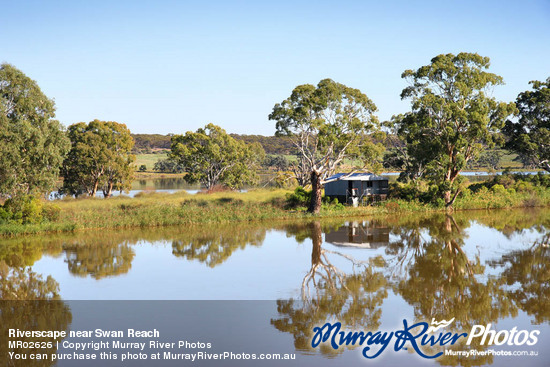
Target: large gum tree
<point>327,123</point>
<point>453,117</point>
<point>32,142</point>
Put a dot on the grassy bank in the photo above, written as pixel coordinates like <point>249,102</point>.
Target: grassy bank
<point>160,209</point>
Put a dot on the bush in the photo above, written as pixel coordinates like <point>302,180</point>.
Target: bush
<point>499,189</point>
<point>302,197</point>
<point>5,215</point>
<point>299,198</point>
<point>420,191</point>
<point>24,210</point>
<point>142,168</point>
<point>168,166</point>
<point>523,186</point>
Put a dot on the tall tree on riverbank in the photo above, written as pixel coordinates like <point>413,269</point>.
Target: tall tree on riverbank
<point>32,143</point>
<point>530,135</point>
<point>327,124</point>
<point>452,116</point>
<point>99,158</point>
<point>211,156</point>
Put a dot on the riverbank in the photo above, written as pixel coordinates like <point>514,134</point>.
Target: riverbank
<point>162,209</point>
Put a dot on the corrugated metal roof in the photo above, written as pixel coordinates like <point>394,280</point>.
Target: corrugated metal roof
<point>360,176</point>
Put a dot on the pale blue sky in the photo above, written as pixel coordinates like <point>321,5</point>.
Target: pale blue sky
<point>174,66</point>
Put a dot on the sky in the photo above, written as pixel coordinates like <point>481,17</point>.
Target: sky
<point>174,66</point>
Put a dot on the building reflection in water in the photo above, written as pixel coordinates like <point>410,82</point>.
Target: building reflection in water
<point>366,234</point>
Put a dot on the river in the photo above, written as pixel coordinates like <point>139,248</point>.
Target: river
<point>476,267</point>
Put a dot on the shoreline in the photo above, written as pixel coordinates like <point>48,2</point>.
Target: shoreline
<point>163,210</point>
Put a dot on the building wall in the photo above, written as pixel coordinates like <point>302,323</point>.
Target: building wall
<point>339,188</point>
<point>336,188</point>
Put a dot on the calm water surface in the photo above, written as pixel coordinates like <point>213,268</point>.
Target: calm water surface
<point>370,273</point>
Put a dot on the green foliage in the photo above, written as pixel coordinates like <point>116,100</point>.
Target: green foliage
<point>142,168</point>
<point>211,156</point>
<point>490,159</point>
<point>498,189</point>
<point>285,180</point>
<point>273,145</point>
<point>300,198</point>
<point>168,166</point>
<point>32,143</point>
<point>420,191</point>
<point>501,191</point>
<point>23,209</point>
<point>529,136</point>
<point>100,158</point>
<point>507,190</point>
<point>452,118</point>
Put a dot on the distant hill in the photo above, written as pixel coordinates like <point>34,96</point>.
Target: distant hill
<point>146,143</point>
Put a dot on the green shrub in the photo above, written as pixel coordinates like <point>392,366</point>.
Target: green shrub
<point>299,198</point>
<point>23,209</point>
<point>5,215</point>
<point>333,204</point>
<point>523,186</point>
<point>499,189</point>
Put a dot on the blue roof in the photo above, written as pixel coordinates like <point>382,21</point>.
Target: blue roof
<point>359,176</point>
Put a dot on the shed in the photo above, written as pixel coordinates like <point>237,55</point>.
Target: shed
<point>356,187</point>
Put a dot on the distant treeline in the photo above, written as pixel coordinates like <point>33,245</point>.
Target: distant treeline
<point>147,142</point>
<point>144,143</point>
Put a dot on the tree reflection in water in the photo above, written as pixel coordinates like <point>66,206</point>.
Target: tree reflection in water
<point>426,264</point>
<point>28,302</point>
<point>99,260</point>
<point>214,245</point>
<point>530,269</point>
<point>329,293</point>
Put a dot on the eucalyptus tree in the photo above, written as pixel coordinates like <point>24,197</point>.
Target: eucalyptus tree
<point>99,159</point>
<point>211,156</point>
<point>327,123</point>
<point>453,118</point>
<point>32,143</point>
<point>530,134</point>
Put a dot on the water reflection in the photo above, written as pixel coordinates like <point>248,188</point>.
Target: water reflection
<point>328,293</point>
<point>98,261</point>
<point>365,234</point>
<point>213,246</point>
<point>526,275</point>
<point>476,267</point>
<point>427,266</point>
<point>29,302</point>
